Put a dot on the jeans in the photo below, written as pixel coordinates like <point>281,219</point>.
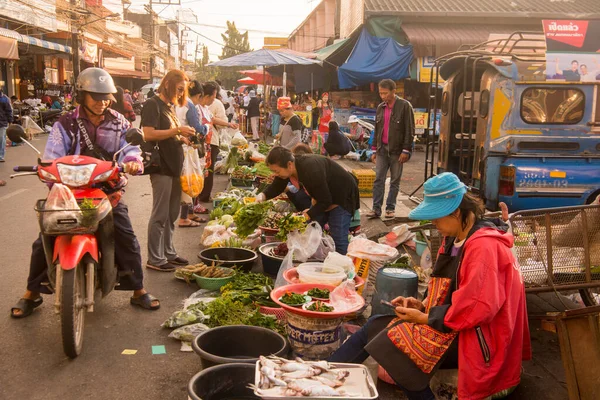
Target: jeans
<point>300,200</point>
<point>2,142</point>
<point>275,122</point>
<point>339,228</point>
<point>127,254</point>
<point>386,161</point>
<point>166,204</point>
<point>353,351</point>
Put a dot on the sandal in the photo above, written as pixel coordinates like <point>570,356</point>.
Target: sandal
<point>199,209</point>
<point>2,183</point>
<point>192,224</point>
<point>373,215</point>
<point>168,267</point>
<point>179,261</point>
<point>197,218</point>
<point>26,306</point>
<point>145,301</point>
<point>390,214</point>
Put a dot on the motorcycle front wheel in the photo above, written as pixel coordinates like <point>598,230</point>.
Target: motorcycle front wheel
<point>73,310</point>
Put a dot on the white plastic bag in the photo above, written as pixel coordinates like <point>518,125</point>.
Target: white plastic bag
<point>210,230</point>
<point>301,246</point>
<point>192,176</point>
<point>337,260</point>
<point>397,236</point>
<point>238,139</point>
<point>188,333</point>
<point>352,156</point>
<point>344,297</point>
<point>61,198</point>
<point>202,295</point>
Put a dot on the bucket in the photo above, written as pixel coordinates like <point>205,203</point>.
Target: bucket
<point>393,282</point>
<point>317,272</point>
<point>231,344</point>
<point>421,246</point>
<point>270,262</point>
<point>313,338</point>
<point>226,381</point>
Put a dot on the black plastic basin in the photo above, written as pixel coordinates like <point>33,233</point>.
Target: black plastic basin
<point>270,263</point>
<point>226,381</point>
<point>238,344</point>
<point>229,257</point>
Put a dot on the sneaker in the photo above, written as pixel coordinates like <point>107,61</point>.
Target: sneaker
<point>168,267</point>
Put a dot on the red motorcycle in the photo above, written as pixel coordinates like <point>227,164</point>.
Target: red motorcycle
<point>78,242</point>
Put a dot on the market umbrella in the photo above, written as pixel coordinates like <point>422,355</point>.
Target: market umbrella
<point>265,58</point>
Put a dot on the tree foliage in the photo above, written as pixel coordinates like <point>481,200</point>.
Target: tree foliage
<point>204,73</point>
<point>235,43</point>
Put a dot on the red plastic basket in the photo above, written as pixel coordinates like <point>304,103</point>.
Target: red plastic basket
<point>278,312</point>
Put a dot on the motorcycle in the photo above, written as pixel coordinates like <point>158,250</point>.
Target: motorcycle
<point>78,243</point>
<point>137,107</point>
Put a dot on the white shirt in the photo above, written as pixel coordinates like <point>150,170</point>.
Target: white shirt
<point>246,100</point>
<point>589,77</point>
<point>205,113</point>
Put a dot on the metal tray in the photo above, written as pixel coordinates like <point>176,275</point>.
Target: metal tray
<point>359,382</point>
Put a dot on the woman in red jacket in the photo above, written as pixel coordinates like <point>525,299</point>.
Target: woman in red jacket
<point>475,312</point>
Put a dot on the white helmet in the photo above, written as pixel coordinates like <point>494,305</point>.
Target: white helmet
<point>98,83</point>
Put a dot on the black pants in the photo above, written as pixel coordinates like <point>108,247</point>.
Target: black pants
<point>127,255</point>
<point>208,182</point>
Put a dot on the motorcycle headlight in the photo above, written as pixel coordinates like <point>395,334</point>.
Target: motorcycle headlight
<point>103,176</point>
<point>48,176</point>
<point>75,175</point>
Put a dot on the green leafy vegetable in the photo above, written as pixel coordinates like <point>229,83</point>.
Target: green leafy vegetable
<point>250,217</point>
<point>320,307</point>
<point>293,299</point>
<point>318,293</point>
<point>288,224</point>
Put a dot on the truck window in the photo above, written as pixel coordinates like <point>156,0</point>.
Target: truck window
<point>552,105</point>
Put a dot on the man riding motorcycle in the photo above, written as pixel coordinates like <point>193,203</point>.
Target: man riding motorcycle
<point>93,129</point>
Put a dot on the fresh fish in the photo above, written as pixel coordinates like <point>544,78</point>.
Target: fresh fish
<point>294,366</point>
<point>336,374</point>
<point>270,374</point>
<point>299,374</point>
<point>322,390</point>
<point>328,382</point>
<point>276,391</point>
<point>300,384</point>
<point>292,393</point>
<point>265,362</point>
<point>323,365</point>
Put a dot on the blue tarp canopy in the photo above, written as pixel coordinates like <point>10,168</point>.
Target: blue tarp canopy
<point>373,59</point>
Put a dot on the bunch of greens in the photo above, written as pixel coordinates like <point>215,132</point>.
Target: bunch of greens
<point>88,211</point>
<point>248,287</point>
<point>320,307</point>
<point>232,159</point>
<point>250,217</point>
<point>262,170</point>
<point>293,299</point>
<point>263,148</point>
<point>318,293</point>
<point>288,224</point>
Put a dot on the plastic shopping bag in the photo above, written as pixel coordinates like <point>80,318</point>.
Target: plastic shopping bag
<point>238,139</point>
<point>61,199</point>
<point>301,247</point>
<point>192,176</point>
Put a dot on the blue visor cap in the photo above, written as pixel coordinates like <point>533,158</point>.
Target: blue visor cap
<point>442,196</point>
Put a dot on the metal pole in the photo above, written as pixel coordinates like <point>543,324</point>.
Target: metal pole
<point>75,42</point>
<point>284,82</point>
<point>151,42</point>
<point>265,99</point>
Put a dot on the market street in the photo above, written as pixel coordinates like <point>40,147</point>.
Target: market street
<point>32,349</point>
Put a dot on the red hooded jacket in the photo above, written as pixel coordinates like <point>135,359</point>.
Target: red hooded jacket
<point>490,313</point>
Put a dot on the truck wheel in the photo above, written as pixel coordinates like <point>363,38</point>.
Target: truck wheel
<point>73,310</point>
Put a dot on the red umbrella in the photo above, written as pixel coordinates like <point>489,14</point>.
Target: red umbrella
<point>249,81</point>
<point>257,75</point>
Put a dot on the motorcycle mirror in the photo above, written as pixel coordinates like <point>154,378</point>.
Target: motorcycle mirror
<point>16,133</point>
<point>134,137</point>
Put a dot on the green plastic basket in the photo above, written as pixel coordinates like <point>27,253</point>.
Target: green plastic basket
<point>213,283</point>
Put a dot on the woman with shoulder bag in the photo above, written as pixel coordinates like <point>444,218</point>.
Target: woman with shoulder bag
<point>161,126</point>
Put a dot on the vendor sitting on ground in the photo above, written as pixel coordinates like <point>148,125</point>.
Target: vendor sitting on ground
<point>475,313</point>
<point>337,144</point>
<point>333,189</point>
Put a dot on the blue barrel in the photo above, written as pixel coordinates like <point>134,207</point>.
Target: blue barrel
<point>390,283</point>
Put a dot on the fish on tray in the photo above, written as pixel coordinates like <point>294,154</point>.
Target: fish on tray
<point>280,377</point>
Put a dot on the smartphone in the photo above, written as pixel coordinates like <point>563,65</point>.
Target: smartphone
<point>388,304</point>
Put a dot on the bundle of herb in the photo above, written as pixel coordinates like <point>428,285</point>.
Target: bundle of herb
<point>250,217</point>
<point>288,224</point>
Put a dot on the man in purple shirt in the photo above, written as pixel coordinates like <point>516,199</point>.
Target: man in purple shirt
<point>394,132</point>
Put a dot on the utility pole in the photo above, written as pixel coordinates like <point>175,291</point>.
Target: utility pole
<point>75,40</point>
<point>151,52</point>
